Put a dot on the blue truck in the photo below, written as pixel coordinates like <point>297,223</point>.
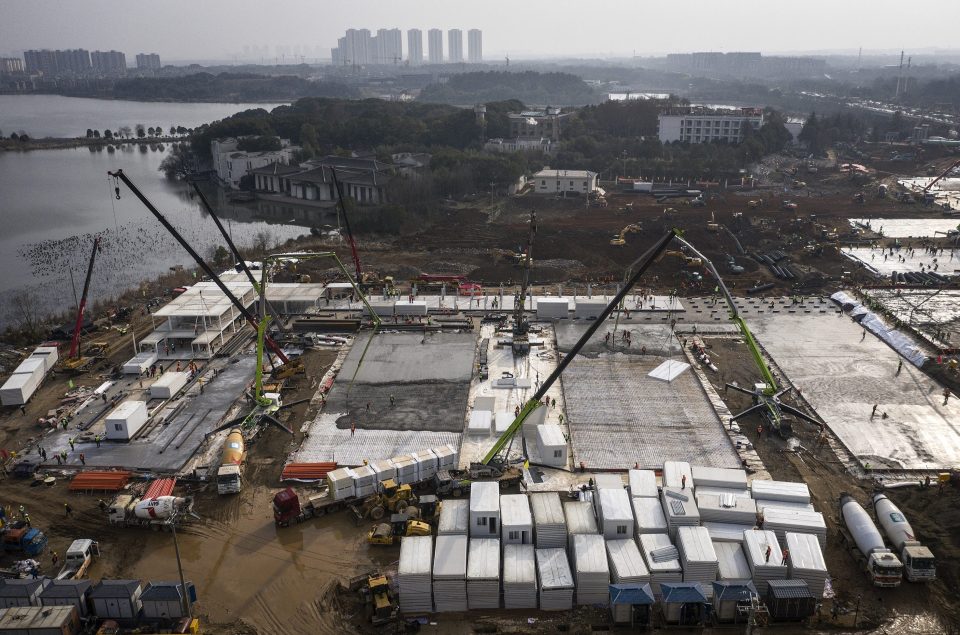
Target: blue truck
<point>18,538</point>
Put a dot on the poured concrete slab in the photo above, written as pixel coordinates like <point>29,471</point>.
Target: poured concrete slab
<point>945,264</point>
<point>906,227</point>
<point>411,357</point>
<point>619,416</point>
<point>842,376</point>
<point>934,312</point>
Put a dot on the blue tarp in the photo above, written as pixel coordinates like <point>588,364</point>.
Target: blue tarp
<point>682,593</point>
<point>733,591</point>
<point>631,594</point>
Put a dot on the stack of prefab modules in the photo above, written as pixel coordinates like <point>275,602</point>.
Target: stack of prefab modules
<point>674,473</point>
<point>719,477</point>
<point>483,574</point>
<point>24,381</point>
<point>763,504</point>
<point>662,558</point>
<point>591,569</point>
<point>780,491</point>
<point>726,508</point>
<point>580,519</point>
<point>384,470</point>
<point>616,514</point>
<point>364,480</point>
<point>519,577</point>
<point>454,518</point>
<point>516,522</point>
<point>726,532</point>
<point>643,484</point>
<point>680,509</point>
<point>426,462</point>
<point>697,557</point>
<point>550,527</point>
<point>764,558</point>
<point>446,457</point>
<point>706,489</point>
<point>413,574</point>
<point>780,521</point>
<point>341,483</point>
<point>805,561</point>
<point>648,514</point>
<point>731,562</point>
<point>406,468</point>
<point>626,567</point>
<point>556,581</point>
<point>450,573</point>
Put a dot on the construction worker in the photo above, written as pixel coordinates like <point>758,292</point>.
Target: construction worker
<point>26,519</point>
<point>54,557</point>
<point>899,366</point>
<point>97,439</point>
<point>683,481</point>
<point>68,509</point>
<point>102,504</point>
<point>393,401</point>
<point>767,555</point>
<point>353,428</point>
<point>23,511</point>
<point>786,555</point>
<point>873,413</point>
<point>946,395</point>
<point>71,442</point>
<point>83,459</point>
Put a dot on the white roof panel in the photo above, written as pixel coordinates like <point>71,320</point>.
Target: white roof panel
<point>732,561</point>
<point>416,555</point>
<point>643,483</point>
<point>650,543</point>
<point>484,497</point>
<point>805,552</point>
<point>554,569</point>
<point>590,554</point>
<point>547,509</point>
<point>580,517</point>
<point>515,511</point>
<point>719,477</point>
<point>625,559</point>
<point>519,564</point>
<point>450,556</point>
<point>649,515</point>
<point>695,544</point>
<point>755,543</point>
<point>484,561</point>
<point>454,517</point>
<point>615,505</point>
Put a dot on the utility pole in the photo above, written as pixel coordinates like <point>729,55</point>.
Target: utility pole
<point>183,585</point>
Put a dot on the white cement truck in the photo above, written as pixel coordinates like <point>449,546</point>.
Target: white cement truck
<point>918,562</point>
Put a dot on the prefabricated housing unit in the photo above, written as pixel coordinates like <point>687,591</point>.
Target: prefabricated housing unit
<point>580,519</point>
<point>643,484</point>
<point>123,423</point>
<point>447,457</point>
<point>139,363</point>
<point>364,480</point>
<point>117,599</point>
<point>169,384</point>
<point>588,309</point>
<point>406,468</point>
<point>73,593</point>
<point>454,518</point>
<point>18,389</point>
<point>164,600</point>
<point>485,510</point>
<point>21,592</point>
<point>719,477</point>
<point>616,514</point>
<point>341,484</point>
<point>384,470</point>
<point>426,462</point>
<point>39,620</point>
<point>516,522</point>
<point>553,308</point>
<point>552,444</point>
<point>673,473</point>
<point>549,524</point>
<point>648,515</point>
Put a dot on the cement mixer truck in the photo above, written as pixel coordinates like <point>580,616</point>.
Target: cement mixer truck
<point>133,511</point>
<point>866,545</point>
<point>228,475</point>
<point>918,562</point>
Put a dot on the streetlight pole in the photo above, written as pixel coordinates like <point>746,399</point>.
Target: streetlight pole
<point>856,615</point>
<point>183,585</point>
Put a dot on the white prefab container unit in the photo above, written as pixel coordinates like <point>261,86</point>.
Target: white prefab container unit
<point>406,469</point>
<point>626,563</point>
<point>484,510</point>
<point>450,573</point>
<point>648,515</point>
<point>591,569</point>
<point>169,384</point>
<point>364,480</point>
<point>502,421</point>
<point>587,308</point>
<point>643,484</point>
<point>446,457</point>
<point>719,491</point>
<point>549,524</point>
<point>483,574</point>
<point>764,558</point>
<point>341,483</point>
<point>726,508</point>
<point>553,308</point>
<point>680,509</point>
<point>556,580</point>
<point>124,421</point>
<point>383,308</point>
<point>780,491</point>
<point>697,557</point>
<point>384,470</point>
<point>480,422</point>
<point>426,462</point>
<point>516,522</point>
<point>662,558</point>
<point>552,444</point>
<point>780,521</point>
<point>454,518</point>
<point>719,477</point>
<point>726,532</point>
<point>46,360</point>
<point>50,353</point>
<point>731,562</point>
<point>414,574</point>
<point>117,599</point>
<point>806,562</point>
<point>674,473</point>
<point>30,366</point>
<point>18,389</point>
<point>415,308</point>
<point>580,519</point>
<point>607,481</point>
<point>764,504</point>
<point>139,363</point>
<point>519,577</point>
<point>616,514</point>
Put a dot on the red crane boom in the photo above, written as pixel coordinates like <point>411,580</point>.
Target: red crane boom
<point>75,342</point>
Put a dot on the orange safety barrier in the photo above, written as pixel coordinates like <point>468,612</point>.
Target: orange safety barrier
<point>307,471</point>
<point>110,481</point>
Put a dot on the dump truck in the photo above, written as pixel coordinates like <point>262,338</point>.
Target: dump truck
<point>78,558</point>
<point>231,460</point>
<point>19,538</point>
<point>918,561</point>
<point>132,511</point>
<point>863,540</point>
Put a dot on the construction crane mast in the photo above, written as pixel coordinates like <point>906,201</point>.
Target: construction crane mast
<point>941,177</point>
<point>521,327</point>
<point>75,342</point>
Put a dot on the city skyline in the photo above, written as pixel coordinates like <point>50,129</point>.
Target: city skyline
<point>220,30</point>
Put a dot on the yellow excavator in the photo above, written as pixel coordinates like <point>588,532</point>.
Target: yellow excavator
<point>400,526</point>
<point>620,239</point>
<point>688,261</point>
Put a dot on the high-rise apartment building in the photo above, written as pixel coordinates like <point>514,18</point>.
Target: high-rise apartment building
<point>357,48</point>
<point>415,47</point>
<point>109,62</point>
<point>73,61</point>
<point>76,61</point>
<point>455,45</point>
<point>474,46</point>
<point>435,46</point>
<point>148,61</point>
<point>388,45</point>
<point>11,65</point>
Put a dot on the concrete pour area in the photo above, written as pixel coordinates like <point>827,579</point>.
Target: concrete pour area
<point>934,313</point>
<point>883,263</point>
<point>618,416</point>
<point>843,372</point>
<point>428,376</point>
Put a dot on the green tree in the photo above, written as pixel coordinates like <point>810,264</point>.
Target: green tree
<point>96,134</point>
<point>150,131</point>
<point>89,133</point>
<point>220,255</point>
<point>108,134</point>
<point>173,130</point>
<point>812,134</point>
<point>141,132</point>
<point>259,144</point>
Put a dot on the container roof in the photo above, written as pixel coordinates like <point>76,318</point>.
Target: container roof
<point>519,564</point>
<point>547,509</point>
<point>515,510</point>
<point>450,556</point>
<point>484,562</point>
<point>733,591</point>
<point>416,554</point>
<point>789,589</point>
<point>115,589</point>
<point>631,594</point>
<point>554,569</point>
<point>625,559</point>
<point>682,593</point>
<point>485,497</point>
<point>615,504</point>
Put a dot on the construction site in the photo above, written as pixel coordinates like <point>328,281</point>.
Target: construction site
<point>730,410</point>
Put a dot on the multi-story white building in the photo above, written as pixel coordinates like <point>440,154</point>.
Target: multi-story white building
<point>474,46</point>
<point>435,46</point>
<point>109,62</point>
<point>388,45</point>
<point>356,50</point>
<point>706,125</point>
<point>455,45</point>
<point>565,182</point>
<point>148,61</point>
<point>415,47</point>
<point>232,164</point>
<point>11,65</point>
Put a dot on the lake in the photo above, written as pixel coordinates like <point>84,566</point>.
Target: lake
<point>55,116</point>
<point>54,202</point>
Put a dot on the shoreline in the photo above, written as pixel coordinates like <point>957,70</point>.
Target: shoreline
<point>65,143</point>
<point>232,102</point>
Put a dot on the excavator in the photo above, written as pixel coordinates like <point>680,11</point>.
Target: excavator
<point>766,395</point>
<point>620,239</point>
<point>75,361</point>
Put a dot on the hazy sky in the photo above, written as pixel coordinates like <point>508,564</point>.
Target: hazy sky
<point>219,29</point>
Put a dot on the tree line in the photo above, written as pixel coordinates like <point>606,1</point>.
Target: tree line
<point>227,87</point>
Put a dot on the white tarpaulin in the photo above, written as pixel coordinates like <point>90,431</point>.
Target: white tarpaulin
<point>901,343</point>
<point>668,370</point>
<point>844,300</point>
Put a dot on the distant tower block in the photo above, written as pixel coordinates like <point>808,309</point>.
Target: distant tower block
<point>481,112</point>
